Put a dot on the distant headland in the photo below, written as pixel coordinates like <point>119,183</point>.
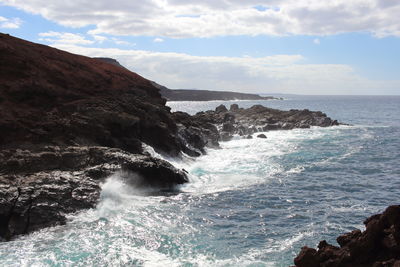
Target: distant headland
<point>195,94</point>
<point>207,95</point>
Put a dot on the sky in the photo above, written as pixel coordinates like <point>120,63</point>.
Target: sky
<point>331,47</point>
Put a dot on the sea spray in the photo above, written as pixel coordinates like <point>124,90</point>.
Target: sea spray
<point>254,205</point>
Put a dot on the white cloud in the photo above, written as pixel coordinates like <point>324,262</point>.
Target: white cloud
<point>158,40</point>
<point>280,73</point>
<point>13,23</point>
<point>99,38</point>
<point>207,18</point>
<point>120,42</point>
<point>64,38</point>
<point>316,41</point>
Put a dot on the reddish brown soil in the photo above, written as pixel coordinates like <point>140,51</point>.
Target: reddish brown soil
<point>48,96</point>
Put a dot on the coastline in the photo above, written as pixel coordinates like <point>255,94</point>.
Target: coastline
<point>46,174</point>
<point>83,126</point>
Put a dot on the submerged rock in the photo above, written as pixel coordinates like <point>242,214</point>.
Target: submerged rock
<point>378,245</point>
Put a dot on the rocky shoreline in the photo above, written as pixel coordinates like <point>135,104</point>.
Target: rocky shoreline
<point>40,185</point>
<point>68,122</point>
<point>38,188</point>
<point>377,246</point>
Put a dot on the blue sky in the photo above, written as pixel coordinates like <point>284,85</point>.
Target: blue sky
<point>278,46</point>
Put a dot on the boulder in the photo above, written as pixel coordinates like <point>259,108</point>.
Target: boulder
<point>271,127</point>
<point>234,107</point>
<point>229,117</point>
<point>228,127</point>
<point>225,136</point>
<point>200,132</point>
<point>221,108</point>
<point>261,136</point>
<point>378,245</point>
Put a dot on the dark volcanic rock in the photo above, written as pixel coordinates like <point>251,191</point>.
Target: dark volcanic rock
<point>234,107</point>
<point>37,189</point>
<point>67,122</point>
<point>196,132</point>
<point>53,97</point>
<point>262,136</point>
<point>378,245</point>
<point>225,136</point>
<point>221,108</point>
<point>258,118</point>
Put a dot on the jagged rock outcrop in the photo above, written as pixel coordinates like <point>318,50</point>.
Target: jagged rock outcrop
<point>206,129</point>
<point>377,246</point>
<point>244,122</point>
<point>196,133</point>
<point>68,121</point>
<point>38,188</point>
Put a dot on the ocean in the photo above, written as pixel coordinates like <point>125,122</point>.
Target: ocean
<point>254,202</point>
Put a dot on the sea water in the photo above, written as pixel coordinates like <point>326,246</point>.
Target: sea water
<point>254,202</point>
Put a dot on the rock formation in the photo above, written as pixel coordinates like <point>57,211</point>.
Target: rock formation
<point>244,122</point>
<point>53,97</point>
<point>68,122</point>
<point>38,188</point>
<point>377,246</point>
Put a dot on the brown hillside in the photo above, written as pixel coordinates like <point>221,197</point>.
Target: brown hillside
<point>48,96</point>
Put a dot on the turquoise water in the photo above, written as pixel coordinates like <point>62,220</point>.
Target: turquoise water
<point>252,203</point>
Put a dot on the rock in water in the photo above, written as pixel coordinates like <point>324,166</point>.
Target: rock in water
<point>378,245</point>
<point>68,122</point>
<point>261,136</point>
<point>221,108</point>
<point>240,121</point>
<point>234,107</point>
<point>37,189</point>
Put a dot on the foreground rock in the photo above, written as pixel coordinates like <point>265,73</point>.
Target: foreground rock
<point>37,189</point>
<point>378,245</point>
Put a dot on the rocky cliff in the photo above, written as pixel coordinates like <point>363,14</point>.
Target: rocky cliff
<point>68,122</point>
<point>53,97</point>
